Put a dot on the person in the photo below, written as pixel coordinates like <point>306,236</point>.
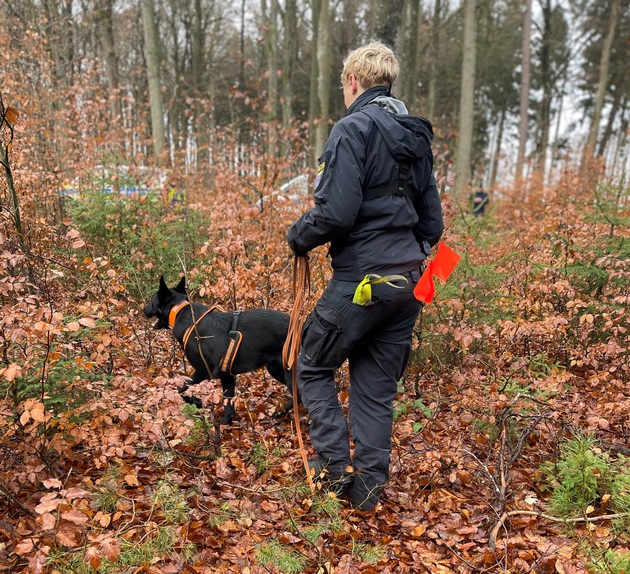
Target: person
<point>479,201</point>
<point>377,203</point>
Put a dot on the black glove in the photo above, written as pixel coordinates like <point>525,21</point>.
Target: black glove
<point>292,244</point>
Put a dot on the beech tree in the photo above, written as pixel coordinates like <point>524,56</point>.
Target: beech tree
<point>152,54</point>
<point>467,96</point>
<point>525,80</point>
<point>604,66</point>
<point>324,64</point>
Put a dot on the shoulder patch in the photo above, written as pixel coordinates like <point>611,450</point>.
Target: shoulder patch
<point>320,172</point>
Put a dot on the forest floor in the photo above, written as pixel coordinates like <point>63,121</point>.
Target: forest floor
<point>523,350</point>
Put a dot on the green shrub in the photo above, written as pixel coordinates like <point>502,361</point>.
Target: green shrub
<point>275,554</point>
<point>585,479</point>
<point>141,236</point>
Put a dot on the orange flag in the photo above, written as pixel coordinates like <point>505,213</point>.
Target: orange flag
<point>441,266</point>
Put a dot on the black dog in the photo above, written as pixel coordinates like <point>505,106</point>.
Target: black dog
<point>205,336</point>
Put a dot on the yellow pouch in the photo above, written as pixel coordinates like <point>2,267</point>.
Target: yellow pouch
<point>363,293</point>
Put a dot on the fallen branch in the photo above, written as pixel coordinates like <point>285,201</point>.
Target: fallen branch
<point>493,535</point>
<point>15,501</point>
<point>616,448</point>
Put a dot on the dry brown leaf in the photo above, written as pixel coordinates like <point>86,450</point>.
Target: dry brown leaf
<point>11,115</point>
<point>75,516</point>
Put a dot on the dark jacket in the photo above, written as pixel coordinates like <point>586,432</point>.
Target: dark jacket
<point>365,149</point>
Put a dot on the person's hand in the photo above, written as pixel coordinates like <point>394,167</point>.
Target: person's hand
<point>291,240</point>
<point>296,250</point>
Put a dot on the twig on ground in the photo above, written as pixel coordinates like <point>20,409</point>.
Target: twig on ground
<point>493,534</point>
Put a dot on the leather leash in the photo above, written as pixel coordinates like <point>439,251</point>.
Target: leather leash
<point>291,348</point>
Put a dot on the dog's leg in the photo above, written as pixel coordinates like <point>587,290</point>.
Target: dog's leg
<point>288,381</point>
<point>189,383</point>
<point>278,372</point>
<point>228,383</point>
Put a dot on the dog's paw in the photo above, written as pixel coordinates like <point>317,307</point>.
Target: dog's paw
<point>193,401</point>
<point>188,382</point>
<point>283,409</point>
<point>227,419</point>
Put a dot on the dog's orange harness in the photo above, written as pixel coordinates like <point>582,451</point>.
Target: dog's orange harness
<point>235,336</point>
<point>173,313</point>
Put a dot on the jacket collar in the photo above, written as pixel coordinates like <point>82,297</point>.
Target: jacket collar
<point>366,97</point>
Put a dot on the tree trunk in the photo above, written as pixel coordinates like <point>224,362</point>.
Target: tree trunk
<point>467,98</point>
<point>324,61</point>
<point>407,50</point>
<point>272,60</point>
<point>153,76</point>
<point>270,14</point>
<point>434,53</point>
<point>612,116</point>
<point>289,57</point>
<point>525,79</point>
<point>544,117</point>
<point>105,30</point>
<point>497,151</point>
<point>61,42</point>
<point>197,46</point>
<point>604,66</point>
<point>313,103</point>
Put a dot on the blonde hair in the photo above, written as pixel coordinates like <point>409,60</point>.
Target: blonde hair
<point>373,65</point>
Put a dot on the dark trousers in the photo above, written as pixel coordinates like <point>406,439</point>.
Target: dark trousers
<point>376,340</point>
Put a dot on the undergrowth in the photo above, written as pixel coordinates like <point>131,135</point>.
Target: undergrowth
<point>585,482</point>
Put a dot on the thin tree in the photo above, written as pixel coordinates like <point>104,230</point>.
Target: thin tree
<point>324,61</point>
<point>467,97</point>
<point>433,60</point>
<point>313,102</point>
<point>270,61</point>
<point>525,80</point>
<point>604,66</point>
<point>289,57</point>
<point>104,18</point>
<point>153,76</point>
<point>407,49</point>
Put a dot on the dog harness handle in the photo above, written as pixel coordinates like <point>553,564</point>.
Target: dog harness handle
<point>235,342</point>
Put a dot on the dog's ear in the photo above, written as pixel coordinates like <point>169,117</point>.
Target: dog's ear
<point>181,287</point>
<point>163,290</point>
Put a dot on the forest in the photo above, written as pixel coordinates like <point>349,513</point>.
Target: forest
<point>174,138</point>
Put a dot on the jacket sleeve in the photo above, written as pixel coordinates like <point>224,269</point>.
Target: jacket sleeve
<point>338,194</point>
<point>430,224</point>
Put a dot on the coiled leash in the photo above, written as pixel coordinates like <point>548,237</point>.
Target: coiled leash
<point>291,348</point>
<point>363,293</point>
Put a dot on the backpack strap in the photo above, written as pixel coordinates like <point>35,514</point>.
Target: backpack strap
<point>397,187</point>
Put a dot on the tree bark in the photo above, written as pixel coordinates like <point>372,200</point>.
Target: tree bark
<point>435,51</point>
<point>407,49</point>
<point>497,152</point>
<point>467,98</point>
<point>153,76</point>
<point>289,57</point>
<point>269,14</point>
<point>324,60</point>
<point>525,80</point>
<point>604,66</point>
<point>544,117</point>
<point>105,30</point>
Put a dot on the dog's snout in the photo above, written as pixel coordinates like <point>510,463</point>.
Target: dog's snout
<point>148,310</point>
